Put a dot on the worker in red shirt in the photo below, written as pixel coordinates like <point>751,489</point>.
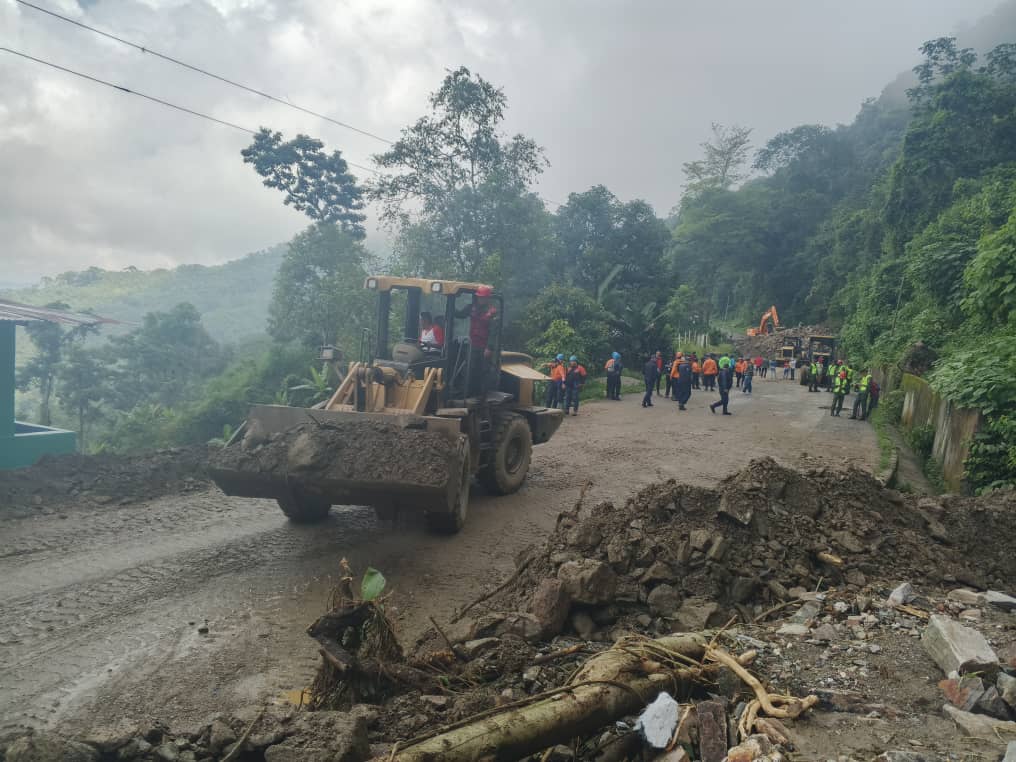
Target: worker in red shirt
<point>481,312</point>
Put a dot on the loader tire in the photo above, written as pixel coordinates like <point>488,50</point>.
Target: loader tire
<point>513,452</point>
<point>452,517</point>
<point>301,509</point>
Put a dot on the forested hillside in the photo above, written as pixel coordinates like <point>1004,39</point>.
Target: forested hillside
<point>232,298</point>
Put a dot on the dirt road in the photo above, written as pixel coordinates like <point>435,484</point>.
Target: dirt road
<point>100,608</point>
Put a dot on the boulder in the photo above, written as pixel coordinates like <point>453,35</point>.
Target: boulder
<point>107,738</point>
<point>588,581</point>
<point>519,623</point>
<point>323,737</point>
<point>664,600</point>
<point>1007,689</point>
<point>1000,600</point>
<point>695,614</point>
<point>955,648</point>
<point>49,747</point>
<point>550,604</point>
<point>583,624</point>
<point>963,692</point>
<point>992,704</point>
<point>979,725</point>
<point>221,735</point>
<point>964,596</point>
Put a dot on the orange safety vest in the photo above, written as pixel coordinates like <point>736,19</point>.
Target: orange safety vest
<point>709,367</point>
<point>675,368</point>
<point>695,367</point>
<point>557,373</point>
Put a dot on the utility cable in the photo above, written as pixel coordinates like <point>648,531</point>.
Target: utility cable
<point>152,98</point>
<point>204,72</point>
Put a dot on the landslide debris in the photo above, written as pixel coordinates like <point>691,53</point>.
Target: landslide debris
<point>63,481</point>
<point>769,345</point>
<point>355,449</point>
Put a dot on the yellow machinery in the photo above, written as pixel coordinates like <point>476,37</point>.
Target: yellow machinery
<point>465,388</point>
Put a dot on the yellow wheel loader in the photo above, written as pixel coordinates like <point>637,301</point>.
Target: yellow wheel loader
<point>411,421</point>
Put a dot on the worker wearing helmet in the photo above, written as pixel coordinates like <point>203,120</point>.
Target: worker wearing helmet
<point>613,368</point>
<point>651,375</point>
<point>574,380</point>
<point>709,373</point>
<point>481,312</point>
<point>724,380</point>
<point>555,388</point>
<point>682,385</point>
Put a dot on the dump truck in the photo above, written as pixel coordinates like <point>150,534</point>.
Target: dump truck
<point>410,423</point>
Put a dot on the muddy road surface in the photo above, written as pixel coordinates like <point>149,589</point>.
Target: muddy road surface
<point>191,604</point>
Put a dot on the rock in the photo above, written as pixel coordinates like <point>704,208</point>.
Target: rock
<point>658,721</point>
<point>49,747</point>
<point>323,737</point>
<point>583,624</point>
<point>807,612</point>
<point>1000,600</point>
<point>136,747</point>
<point>1007,655</point>
<point>718,548</point>
<point>792,629</point>
<point>221,735</point>
<point>664,600</point>
<point>847,541</point>
<point>856,577</point>
<point>753,748</point>
<point>1010,752</point>
<point>550,605</point>
<point>167,752</point>
<point>588,581</point>
<point>825,632</point>
<point>473,648</point>
<point>659,571</point>
<point>971,615</point>
<point>736,507</point>
<point>978,725</point>
<point>903,594</point>
<point>438,702</point>
<point>695,614</point>
<point>963,692</point>
<point>468,628</point>
<point>699,539</point>
<point>964,596</point>
<point>992,704</point>
<point>521,624</point>
<point>107,738</point>
<point>680,755</point>
<point>1006,686</point>
<point>954,647</point>
<point>712,722</point>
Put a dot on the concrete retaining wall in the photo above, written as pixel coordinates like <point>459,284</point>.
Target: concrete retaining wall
<point>953,426</point>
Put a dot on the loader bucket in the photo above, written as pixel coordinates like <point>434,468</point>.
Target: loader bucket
<point>346,458</point>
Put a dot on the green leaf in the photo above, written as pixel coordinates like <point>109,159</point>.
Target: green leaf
<point>372,584</point>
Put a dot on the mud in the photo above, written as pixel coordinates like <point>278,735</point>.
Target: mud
<point>367,450</point>
<point>70,481</point>
<point>102,601</point>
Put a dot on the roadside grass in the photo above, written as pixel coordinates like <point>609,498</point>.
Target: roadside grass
<point>880,422</point>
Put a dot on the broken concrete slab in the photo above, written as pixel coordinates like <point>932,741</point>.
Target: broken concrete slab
<point>978,725</point>
<point>954,647</point>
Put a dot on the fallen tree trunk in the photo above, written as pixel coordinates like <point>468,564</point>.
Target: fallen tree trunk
<point>611,685</point>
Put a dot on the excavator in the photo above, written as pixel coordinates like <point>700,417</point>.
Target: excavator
<point>769,314</point>
<point>478,397</point>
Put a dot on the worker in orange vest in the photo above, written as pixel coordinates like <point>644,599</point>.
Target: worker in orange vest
<point>696,371</point>
<point>709,371</point>
<point>555,388</point>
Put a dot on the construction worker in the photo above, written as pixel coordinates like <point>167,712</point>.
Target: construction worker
<point>651,375</point>
<point>682,385</point>
<point>738,372</point>
<point>813,372</point>
<point>481,312</point>
<point>861,400</point>
<point>613,368</point>
<point>748,377</point>
<point>709,372</point>
<point>658,358</point>
<point>840,388</point>
<point>574,380</point>
<point>667,368</point>
<point>555,387</point>
<point>696,371</point>
<point>725,379</point>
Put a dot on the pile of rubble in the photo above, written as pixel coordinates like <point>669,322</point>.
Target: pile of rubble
<point>57,482</point>
<point>769,345</point>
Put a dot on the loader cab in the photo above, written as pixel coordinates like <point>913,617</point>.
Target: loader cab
<point>469,359</point>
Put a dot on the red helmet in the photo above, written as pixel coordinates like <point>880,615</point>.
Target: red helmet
<point>484,291</point>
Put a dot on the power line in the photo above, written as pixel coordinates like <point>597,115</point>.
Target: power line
<point>204,72</point>
<point>153,99</point>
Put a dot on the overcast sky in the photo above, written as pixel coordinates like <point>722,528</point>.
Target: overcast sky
<point>619,93</point>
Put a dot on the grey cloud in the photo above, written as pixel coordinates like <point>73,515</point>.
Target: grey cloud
<point>618,93</point>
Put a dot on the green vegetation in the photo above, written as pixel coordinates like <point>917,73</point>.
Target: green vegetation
<point>897,228</point>
<point>881,420</point>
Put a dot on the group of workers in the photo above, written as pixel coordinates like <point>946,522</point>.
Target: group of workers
<point>687,372</point>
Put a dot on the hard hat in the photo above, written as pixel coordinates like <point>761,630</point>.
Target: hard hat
<point>560,357</point>
<point>616,355</point>
<point>573,358</point>
<point>484,291</point>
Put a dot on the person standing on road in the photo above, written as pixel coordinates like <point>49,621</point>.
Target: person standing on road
<point>772,370</point>
<point>758,365</point>
<point>696,371</point>
<point>659,370</point>
<point>709,372</point>
<point>724,380</point>
<point>786,369</point>
<point>861,400</point>
<point>555,387</point>
<point>574,380</point>
<point>682,388</point>
<point>651,375</point>
<point>614,368</point>
<point>666,370</point>
<point>749,375</point>
<point>813,377</point>
<point>840,389</point>
<point>874,391</point>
